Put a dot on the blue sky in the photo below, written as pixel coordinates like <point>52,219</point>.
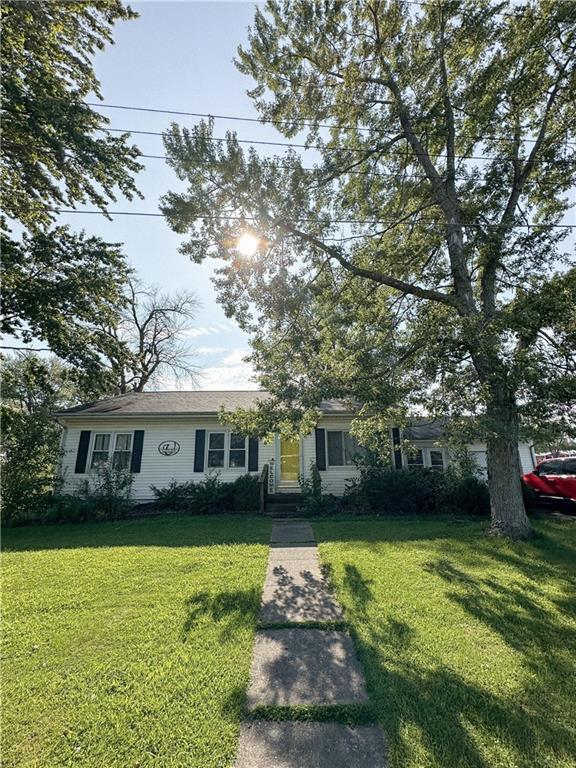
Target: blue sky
<point>177,55</point>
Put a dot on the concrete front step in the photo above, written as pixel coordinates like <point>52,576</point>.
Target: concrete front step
<point>283,512</point>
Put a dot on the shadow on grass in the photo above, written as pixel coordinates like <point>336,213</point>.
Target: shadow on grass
<point>530,726</point>
<point>168,531</point>
<point>232,611</point>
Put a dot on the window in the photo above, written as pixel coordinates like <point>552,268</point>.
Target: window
<point>122,451</point>
<point>415,459</point>
<point>237,456</point>
<point>569,467</point>
<point>551,467</point>
<point>335,449</point>
<point>102,448</point>
<point>343,449</point>
<point>216,449</point>
<point>437,460</point>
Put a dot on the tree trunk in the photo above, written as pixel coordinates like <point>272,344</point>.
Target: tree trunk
<point>508,514</point>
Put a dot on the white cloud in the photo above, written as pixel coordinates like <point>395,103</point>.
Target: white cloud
<point>210,350</point>
<point>240,376</point>
<point>205,330</point>
<point>236,357</point>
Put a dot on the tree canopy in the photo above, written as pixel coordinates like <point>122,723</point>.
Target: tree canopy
<point>56,150</point>
<point>419,262</point>
<point>59,287</point>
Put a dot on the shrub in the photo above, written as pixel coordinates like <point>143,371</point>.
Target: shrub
<point>465,492</point>
<point>68,509</point>
<point>177,496</point>
<point>211,495</point>
<point>107,493</point>
<point>246,494</point>
<point>314,500</point>
<point>417,491</point>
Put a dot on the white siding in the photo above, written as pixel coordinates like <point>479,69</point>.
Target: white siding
<point>478,451</point>
<point>334,479</point>
<point>155,469</point>
<point>159,470</point>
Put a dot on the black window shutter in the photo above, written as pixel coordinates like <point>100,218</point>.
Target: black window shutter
<point>199,450</point>
<point>137,445</point>
<point>321,449</point>
<point>252,454</point>
<point>396,447</point>
<point>82,455</point>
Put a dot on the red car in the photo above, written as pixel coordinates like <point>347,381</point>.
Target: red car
<point>554,481</point>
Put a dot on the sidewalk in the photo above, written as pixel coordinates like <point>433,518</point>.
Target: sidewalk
<point>299,666</point>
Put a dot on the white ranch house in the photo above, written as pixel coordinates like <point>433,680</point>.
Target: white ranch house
<point>164,436</point>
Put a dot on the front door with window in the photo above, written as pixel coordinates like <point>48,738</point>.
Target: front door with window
<point>289,460</point>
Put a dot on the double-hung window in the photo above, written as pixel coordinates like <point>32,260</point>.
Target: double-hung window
<point>216,450</point>
<point>222,445</point>
<point>111,447</point>
<point>101,450</point>
<point>122,451</point>
<point>237,454</point>
<point>415,459</point>
<point>343,449</point>
<point>419,458</point>
<point>436,460</point>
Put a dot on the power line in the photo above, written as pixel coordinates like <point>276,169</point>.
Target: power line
<point>318,147</point>
<point>460,176</point>
<point>303,123</point>
<point>236,217</point>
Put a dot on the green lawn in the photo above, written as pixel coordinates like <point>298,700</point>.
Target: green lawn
<point>468,642</point>
<point>128,644</point>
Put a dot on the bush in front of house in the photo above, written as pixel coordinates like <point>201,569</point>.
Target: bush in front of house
<point>389,491</point>
<point>210,495</point>
<point>108,492</point>
<point>314,500</point>
<point>105,496</point>
<point>246,494</point>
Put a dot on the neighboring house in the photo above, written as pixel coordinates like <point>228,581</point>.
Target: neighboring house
<point>164,436</point>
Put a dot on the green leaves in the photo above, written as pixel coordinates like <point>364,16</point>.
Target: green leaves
<point>64,289</point>
<point>393,269</point>
<point>56,150</point>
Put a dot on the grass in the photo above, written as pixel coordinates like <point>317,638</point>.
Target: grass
<point>468,642</point>
<point>129,644</point>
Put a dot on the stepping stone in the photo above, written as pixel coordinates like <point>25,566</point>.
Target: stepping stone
<point>310,745</point>
<point>298,533</point>
<point>305,666</point>
<point>281,553</point>
<point>296,590</point>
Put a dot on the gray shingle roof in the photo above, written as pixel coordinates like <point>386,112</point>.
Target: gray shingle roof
<point>197,402</point>
<point>429,430</point>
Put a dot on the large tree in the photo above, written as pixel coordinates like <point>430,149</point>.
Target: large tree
<point>59,290</point>
<point>57,152</point>
<point>420,260</point>
<point>32,389</point>
<point>150,335</point>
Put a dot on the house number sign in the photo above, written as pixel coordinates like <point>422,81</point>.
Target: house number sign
<point>169,448</point>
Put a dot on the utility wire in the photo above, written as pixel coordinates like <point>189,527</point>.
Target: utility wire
<point>318,147</point>
<point>303,123</point>
<point>460,176</point>
<point>308,219</point>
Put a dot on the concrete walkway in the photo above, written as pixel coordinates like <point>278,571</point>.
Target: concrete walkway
<point>297,666</point>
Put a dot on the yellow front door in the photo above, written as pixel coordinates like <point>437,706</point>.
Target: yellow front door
<point>289,459</point>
